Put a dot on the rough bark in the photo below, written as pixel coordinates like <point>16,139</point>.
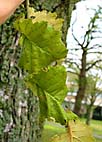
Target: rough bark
<point>19,112</point>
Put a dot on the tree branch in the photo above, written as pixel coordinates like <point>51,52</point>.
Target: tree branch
<point>94,52</point>
<point>93,64</point>
<point>73,72</point>
<point>94,47</point>
<point>72,62</point>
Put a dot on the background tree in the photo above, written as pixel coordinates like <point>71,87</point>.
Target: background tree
<point>93,91</point>
<point>86,48</point>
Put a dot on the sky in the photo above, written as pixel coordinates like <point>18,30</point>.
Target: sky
<point>81,16</point>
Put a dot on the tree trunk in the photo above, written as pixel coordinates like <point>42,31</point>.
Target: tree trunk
<point>90,108</point>
<point>19,112</point>
<point>89,114</point>
<point>82,85</point>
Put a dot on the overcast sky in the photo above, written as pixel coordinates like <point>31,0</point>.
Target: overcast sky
<point>82,16</point>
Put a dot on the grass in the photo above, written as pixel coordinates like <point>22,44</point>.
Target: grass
<point>51,129</point>
<point>96,126</point>
<point>98,140</point>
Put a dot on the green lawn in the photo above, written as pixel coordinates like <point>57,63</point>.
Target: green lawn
<point>98,140</point>
<point>51,129</point>
<point>96,126</point>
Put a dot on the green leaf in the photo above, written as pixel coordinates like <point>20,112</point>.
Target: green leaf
<point>51,90</point>
<point>55,110</point>
<point>50,107</point>
<point>42,104</point>
<point>76,132</point>
<point>33,58</point>
<point>41,46</point>
<point>49,17</point>
<point>51,80</point>
<point>71,115</point>
<point>40,35</point>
